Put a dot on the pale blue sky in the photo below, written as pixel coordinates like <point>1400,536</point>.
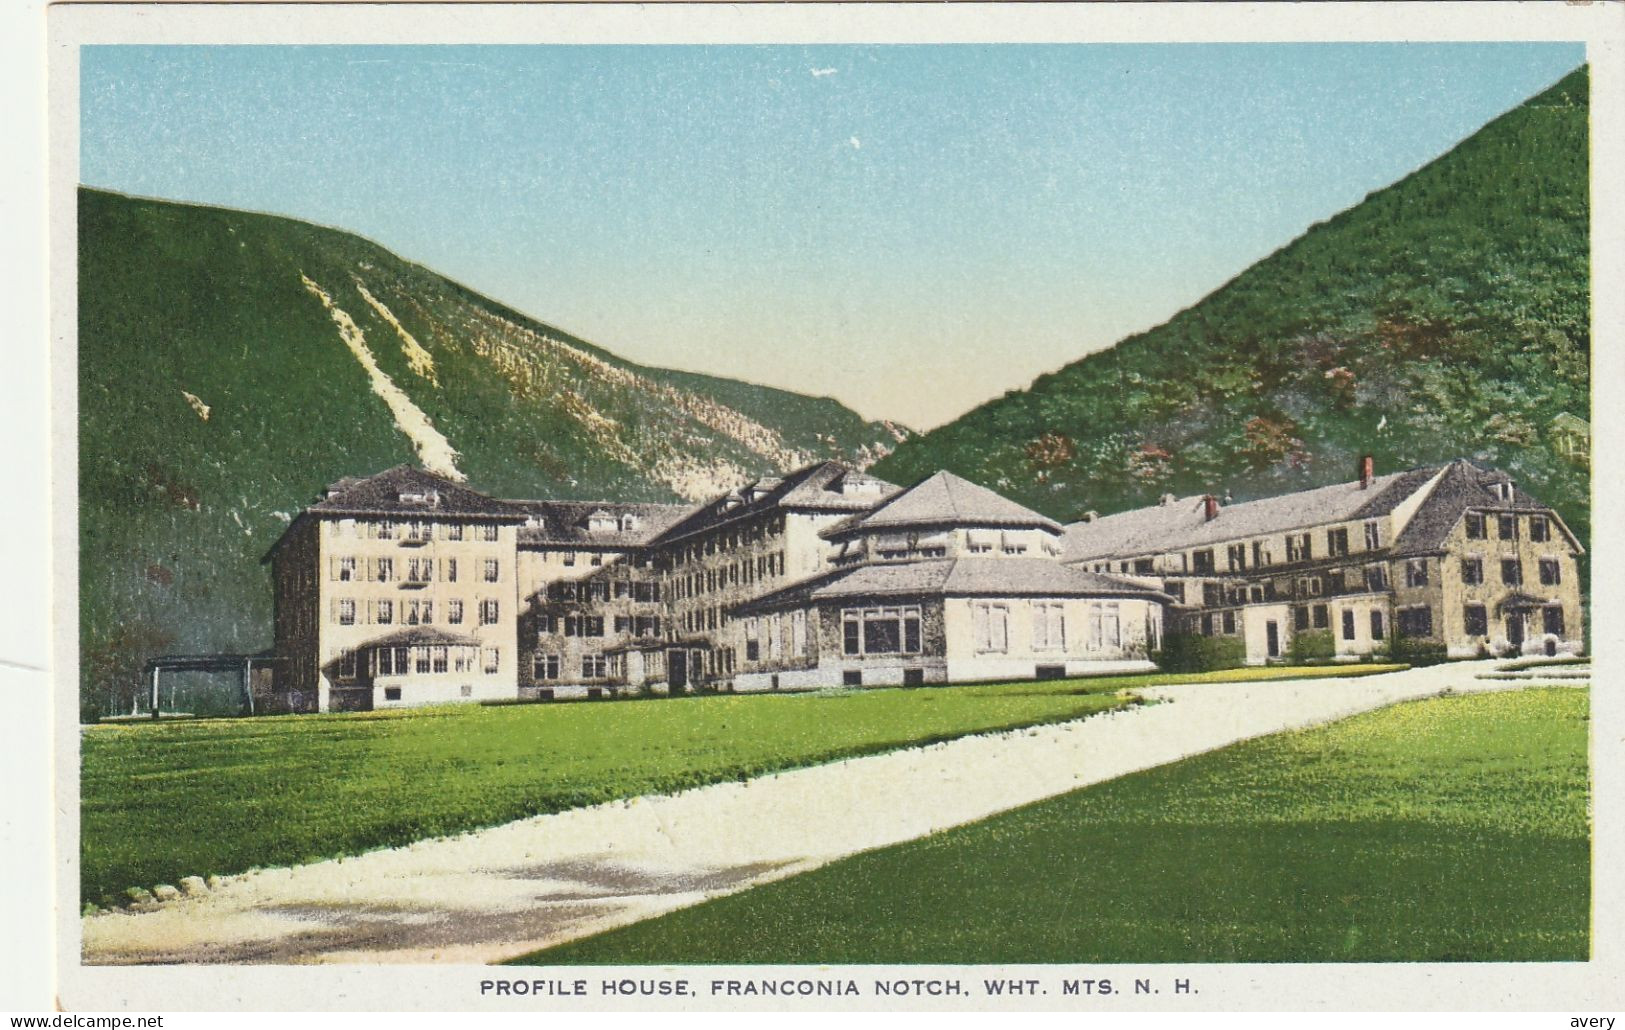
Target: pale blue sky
<point>911,229</point>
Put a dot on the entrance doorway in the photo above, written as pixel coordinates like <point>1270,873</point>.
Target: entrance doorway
<point>1515,631</point>
<point>1272,638</point>
<point>677,669</point>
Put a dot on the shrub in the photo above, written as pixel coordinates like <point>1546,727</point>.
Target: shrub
<point>1192,652</point>
<point>1416,651</point>
<point>1309,646</point>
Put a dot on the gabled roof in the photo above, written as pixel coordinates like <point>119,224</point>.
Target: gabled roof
<point>1465,486</point>
<point>1181,522</point>
<point>392,492</point>
<point>944,499</point>
<point>566,522</point>
<point>953,577</point>
<point>824,486</point>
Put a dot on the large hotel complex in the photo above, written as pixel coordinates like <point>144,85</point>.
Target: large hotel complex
<point>405,588</point>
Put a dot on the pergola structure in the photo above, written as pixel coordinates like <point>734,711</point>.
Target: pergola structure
<point>242,664</point>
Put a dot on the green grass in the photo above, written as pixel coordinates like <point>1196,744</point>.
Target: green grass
<point>1442,830</point>
<point>222,796</point>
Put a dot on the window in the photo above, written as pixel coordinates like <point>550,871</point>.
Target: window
<point>490,612</point>
<point>386,612</point>
<point>1207,629</point>
<point>991,623</point>
<point>437,655</point>
<point>1212,595</point>
<point>1540,528</point>
<point>753,651</point>
<point>1105,626</point>
<point>1144,566</point>
<point>1049,626</point>
<point>1512,572</point>
<point>597,559</point>
<point>493,656</point>
<point>1476,620</point>
<point>1202,561</point>
<point>1552,620</point>
<point>454,531</point>
<point>1416,622</point>
<point>346,612</point>
<point>347,665</point>
<point>1378,630</point>
<point>1337,542</point>
<point>392,693</point>
<point>465,690</point>
<point>544,666</point>
<point>419,570</point>
<point>1261,554</point>
<point>1416,572</point>
<point>1298,548</point>
<point>593,666</point>
<point>346,569</point>
<point>880,630</point>
<point>1300,618</point>
<point>1507,527</point>
<point>384,569</point>
<point>1376,577</point>
<point>1472,571</point>
<point>1475,526</point>
<point>451,570</point>
<point>454,611</point>
<point>1323,617</point>
<point>1236,555</point>
<point>1174,589</point>
<point>1551,573</point>
<point>420,659</point>
<point>623,623</point>
<point>386,530</point>
<point>569,557</point>
<point>488,532</point>
<point>492,570</point>
<point>1336,582</point>
<point>798,633</point>
<point>1348,623</point>
<point>462,659</point>
<point>1229,622</point>
<point>1373,535</point>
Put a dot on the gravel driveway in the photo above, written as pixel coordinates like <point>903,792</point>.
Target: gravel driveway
<point>494,894</point>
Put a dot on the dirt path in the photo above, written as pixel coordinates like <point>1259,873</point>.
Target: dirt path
<point>497,893</point>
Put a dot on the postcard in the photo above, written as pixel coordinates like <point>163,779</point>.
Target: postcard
<point>835,507</point>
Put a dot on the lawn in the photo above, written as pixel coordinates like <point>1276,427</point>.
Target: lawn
<point>1441,830</point>
<point>216,797</point>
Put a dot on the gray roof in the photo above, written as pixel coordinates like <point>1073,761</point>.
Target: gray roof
<point>1465,486</point>
<point>565,523</point>
<point>1181,522</point>
<point>421,635</point>
<point>953,577</point>
<point>944,500</point>
<point>816,487</point>
<point>385,494</point>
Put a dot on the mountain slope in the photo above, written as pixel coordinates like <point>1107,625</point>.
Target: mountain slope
<point>1447,315</point>
<point>231,364</point>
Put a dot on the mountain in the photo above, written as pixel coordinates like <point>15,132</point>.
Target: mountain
<point>231,364</point>
<point>1445,316</point>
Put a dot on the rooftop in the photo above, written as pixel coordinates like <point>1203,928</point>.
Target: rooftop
<point>944,499</point>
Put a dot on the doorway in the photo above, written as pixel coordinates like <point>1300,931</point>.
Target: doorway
<point>1515,631</point>
<point>1272,638</point>
<point>677,669</point>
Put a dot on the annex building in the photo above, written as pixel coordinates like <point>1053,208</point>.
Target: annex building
<point>1451,556</point>
<point>405,588</point>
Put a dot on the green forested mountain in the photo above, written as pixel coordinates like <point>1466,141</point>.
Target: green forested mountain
<point>232,364</point>
<point>1447,315</point>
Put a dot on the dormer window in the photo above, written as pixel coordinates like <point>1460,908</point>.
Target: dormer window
<point>629,523</point>
<point>601,522</point>
<point>427,498</point>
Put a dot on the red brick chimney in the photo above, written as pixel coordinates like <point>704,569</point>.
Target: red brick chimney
<point>1210,507</point>
<point>1368,471</point>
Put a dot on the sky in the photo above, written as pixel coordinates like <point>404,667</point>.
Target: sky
<point>912,230</point>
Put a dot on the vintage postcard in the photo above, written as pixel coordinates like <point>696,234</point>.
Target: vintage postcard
<point>901,507</point>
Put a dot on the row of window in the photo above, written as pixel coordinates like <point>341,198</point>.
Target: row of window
<point>412,530</point>
<point>415,570</point>
<point>593,625</point>
<point>744,571</point>
<point>347,611</point>
<point>551,666</point>
<point>1551,572</point>
<point>1507,525</point>
<point>731,540</point>
<point>991,626</point>
<point>423,659</point>
<point>866,631</point>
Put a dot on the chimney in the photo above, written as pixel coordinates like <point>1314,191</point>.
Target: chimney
<point>1368,471</point>
<point>1210,507</point>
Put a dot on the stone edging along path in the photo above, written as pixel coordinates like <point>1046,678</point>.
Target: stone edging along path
<point>494,894</point>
